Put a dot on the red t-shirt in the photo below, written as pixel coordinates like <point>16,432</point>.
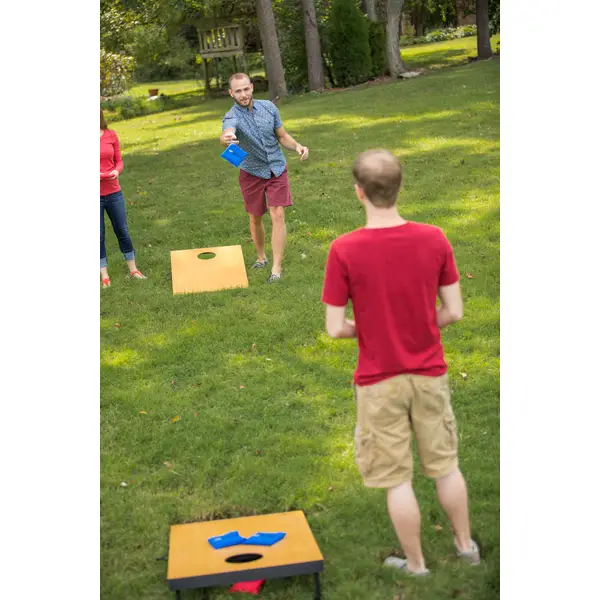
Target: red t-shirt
<point>110,159</point>
<point>392,276</point>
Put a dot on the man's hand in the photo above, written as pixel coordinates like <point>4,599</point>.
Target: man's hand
<point>228,137</point>
<point>302,151</point>
<point>336,323</point>
<point>451,305</point>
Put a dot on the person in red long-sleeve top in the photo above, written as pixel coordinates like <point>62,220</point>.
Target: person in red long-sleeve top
<point>112,201</point>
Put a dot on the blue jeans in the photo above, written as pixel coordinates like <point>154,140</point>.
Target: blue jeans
<point>114,204</point>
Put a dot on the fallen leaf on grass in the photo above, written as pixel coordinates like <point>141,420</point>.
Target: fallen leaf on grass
<point>143,412</point>
<point>464,375</point>
<point>242,387</point>
<point>118,325</point>
<point>258,452</point>
<point>123,484</point>
<point>175,419</point>
<point>195,414</point>
<point>168,464</point>
<point>331,488</point>
<point>253,346</point>
<point>267,359</point>
<point>438,527</point>
<point>471,276</point>
<point>173,381</point>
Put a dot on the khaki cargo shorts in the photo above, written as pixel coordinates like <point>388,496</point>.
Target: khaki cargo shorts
<point>388,412</point>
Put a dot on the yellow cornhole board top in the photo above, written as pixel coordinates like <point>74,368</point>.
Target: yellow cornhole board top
<point>194,563</point>
<point>224,271</point>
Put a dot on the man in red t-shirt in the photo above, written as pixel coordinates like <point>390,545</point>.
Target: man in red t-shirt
<point>393,271</point>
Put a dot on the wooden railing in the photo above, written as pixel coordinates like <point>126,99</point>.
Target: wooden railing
<point>222,41</point>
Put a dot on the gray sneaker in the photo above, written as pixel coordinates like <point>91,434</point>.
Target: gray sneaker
<point>471,556</point>
<point>402,565</point>
<point>273,278</point>
<point>260,264</point>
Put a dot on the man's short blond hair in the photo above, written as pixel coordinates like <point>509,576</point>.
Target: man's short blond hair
<point>239,76</point>
<point>379,173</point>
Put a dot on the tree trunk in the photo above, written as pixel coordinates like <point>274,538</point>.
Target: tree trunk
<point>418,18</point>
<point>316,76</point>
<point>484,46</point>
<point>371,10</point>
<point>270,44</point>
<point>392,30</point>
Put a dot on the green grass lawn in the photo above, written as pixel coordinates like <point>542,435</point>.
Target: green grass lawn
<point>170,88</point>
<point>177,87</point>
<point>236,402</point>
<point>443,54</point>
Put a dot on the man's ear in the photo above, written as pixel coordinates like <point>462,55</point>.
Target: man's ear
<point>360,194</point>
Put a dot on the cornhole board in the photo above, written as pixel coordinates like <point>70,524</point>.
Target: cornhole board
<point>194,563</point>
<point>224,271</point>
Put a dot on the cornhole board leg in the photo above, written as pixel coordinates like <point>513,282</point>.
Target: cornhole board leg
<point>317,587</point>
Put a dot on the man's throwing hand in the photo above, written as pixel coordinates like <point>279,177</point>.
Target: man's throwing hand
<point>228,137</point>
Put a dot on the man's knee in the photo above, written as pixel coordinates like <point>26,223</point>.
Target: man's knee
<point>256,219</point>
<point>277,214</point>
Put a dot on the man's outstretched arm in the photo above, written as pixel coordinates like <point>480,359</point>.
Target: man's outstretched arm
<point>289,143</point>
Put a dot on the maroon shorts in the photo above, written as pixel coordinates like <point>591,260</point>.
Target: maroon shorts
<point>259,193</point>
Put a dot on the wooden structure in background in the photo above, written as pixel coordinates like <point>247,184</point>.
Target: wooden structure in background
<point>220,42</point>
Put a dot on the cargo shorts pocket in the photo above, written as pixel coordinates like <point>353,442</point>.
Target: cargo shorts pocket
<point>363,450</point>
<point>450,429</point>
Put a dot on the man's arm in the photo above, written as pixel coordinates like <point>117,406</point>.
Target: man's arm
<point>336,323</point>
<point>451,305</point>
<point>289,143</point>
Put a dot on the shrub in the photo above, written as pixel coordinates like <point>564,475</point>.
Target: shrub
<point>158,56</point>
<point>439,35</point>
<point>349,43</point>
<point>115,73</point>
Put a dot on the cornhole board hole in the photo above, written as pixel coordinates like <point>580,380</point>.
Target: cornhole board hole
<point>194,563</point>
<point>197,270</point>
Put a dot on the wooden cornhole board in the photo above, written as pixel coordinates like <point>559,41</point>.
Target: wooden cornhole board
<point>194,563</point>
<point>192,274</point>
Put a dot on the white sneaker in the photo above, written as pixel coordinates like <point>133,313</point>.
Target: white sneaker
<point>402,565</point>
<point>471,556</point>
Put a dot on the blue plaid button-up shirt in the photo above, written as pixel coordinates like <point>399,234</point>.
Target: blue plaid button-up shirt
<point>255,131</point>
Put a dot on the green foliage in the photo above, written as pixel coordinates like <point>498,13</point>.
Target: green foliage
<point>158,55</point>
<point>290,32</point>
<point>115,72</point>
<point>115,25</point>
<point>439,35</point>
<point>378,48</point>
<point>349,43</point>
<point>494,12</point>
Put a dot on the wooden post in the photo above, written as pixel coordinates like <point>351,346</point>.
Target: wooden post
<point>206,77</point>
